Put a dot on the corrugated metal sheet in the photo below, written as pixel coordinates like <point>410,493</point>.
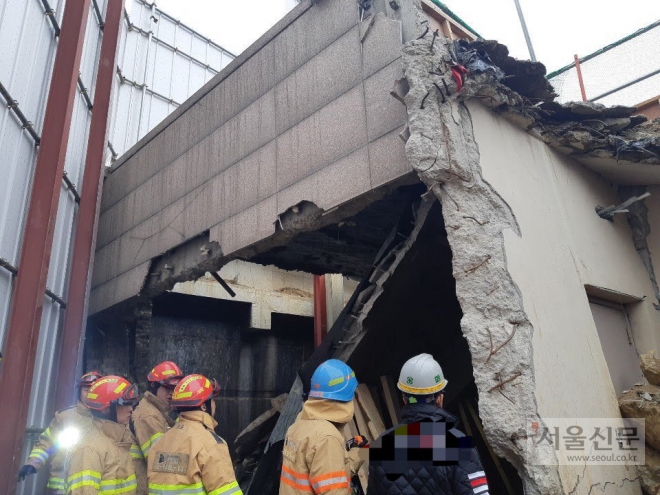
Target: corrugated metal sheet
<point>174,61</point>
<point>162,63</point>
<point>49,334</point>
<point>26,59</point>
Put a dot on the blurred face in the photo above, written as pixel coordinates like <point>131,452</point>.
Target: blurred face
<point>83,392</point>
<point>124,414</point>
<point>165,393</point>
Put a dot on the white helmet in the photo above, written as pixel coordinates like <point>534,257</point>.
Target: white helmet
<point>421,375</point>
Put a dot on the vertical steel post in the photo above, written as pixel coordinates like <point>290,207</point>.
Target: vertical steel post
<point>580,80</point>
<point>25,317</point>
<point>320,310</point>
<point>523,24</point>
<point>83,247</point>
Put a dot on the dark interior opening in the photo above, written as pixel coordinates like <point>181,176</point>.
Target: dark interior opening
<point>419,312</point>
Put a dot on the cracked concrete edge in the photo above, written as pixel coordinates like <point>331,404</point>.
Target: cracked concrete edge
<point>382,273</point>
<point>624,139</point>
<point>442,150</point>
<point>638,220</point>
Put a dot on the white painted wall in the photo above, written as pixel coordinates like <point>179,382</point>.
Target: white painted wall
<point>271,290</point>
<point>564,246</point>
<point>653,204</point>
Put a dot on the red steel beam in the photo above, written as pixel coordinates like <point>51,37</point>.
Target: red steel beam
<point>320,310</point>
<point>28,297</point>
<point>83,248</point>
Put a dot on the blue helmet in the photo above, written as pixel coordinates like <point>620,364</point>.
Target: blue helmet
<point>334,380</point>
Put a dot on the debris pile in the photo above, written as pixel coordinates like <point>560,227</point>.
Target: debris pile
<point>519,91</point>
<point>249,444</point>
<point>643,401</point>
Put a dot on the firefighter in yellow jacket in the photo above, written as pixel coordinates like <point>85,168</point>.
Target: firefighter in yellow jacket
<point>47,449</point>
<point>104,458</point>
<point>151,417</point>
<point>314,457</point>
<point>190,458</point>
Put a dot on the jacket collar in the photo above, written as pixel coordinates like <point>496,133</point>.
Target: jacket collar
<point>199,417</point>
<point>159,404</point>
<point>413,413</point>
<point>119,434</point>
<point>329,410</point>
<point>83,410</point>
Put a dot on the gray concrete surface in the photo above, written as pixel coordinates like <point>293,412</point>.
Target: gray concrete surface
<point>307,116</point>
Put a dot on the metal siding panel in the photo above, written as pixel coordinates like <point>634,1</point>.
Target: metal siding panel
<point>169,73</point>
<point>26,61</point>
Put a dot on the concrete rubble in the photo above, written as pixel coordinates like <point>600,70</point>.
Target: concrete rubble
<point>651,368</point>
<point>643,401</point>
<point>519,92</point>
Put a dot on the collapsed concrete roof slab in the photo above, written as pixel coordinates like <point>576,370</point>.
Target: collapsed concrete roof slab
<point>305,115</point>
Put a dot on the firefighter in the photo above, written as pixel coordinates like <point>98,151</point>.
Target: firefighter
<point>190,458</point>
<point>102,458</point>
<point>315,459</point>
<point>151,417</point>
<point>447,466</point>
<point>47,447</point>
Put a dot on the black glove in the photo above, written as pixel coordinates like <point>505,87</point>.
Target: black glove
<point>358,441</point>
<point>26,471</point>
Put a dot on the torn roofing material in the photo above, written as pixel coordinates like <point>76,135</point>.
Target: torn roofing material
<point>610,140</point>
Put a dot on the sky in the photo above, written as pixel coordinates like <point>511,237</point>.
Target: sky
<point>558,28</point>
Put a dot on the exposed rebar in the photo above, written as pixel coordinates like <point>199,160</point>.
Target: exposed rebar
<point>26,124</point>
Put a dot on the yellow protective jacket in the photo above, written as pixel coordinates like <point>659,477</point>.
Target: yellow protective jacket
<point>151,419</point>
<point>105,461</point>
<point>314,457</point>
<point>46,450</point>
<point>190,458</point>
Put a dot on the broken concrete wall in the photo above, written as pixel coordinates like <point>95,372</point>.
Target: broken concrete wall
<point>303,114</point>
<point>526,240</point>
<point>653,216</point>
<point>544,188</point>
<point>563,246</point>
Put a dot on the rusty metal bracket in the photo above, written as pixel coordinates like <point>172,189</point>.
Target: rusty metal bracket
<point>25,123</point>
<point>71,186</point>
<point>56,298</point>
<point>85,93</point>
<point>8,266</point>
<point>48,10</point>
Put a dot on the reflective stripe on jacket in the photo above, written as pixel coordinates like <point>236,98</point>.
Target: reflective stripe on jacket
<point>191,459</point>
<point>101,462</point>
<point>46,447</point>
<point>314,457</point>
<point>151,419</point>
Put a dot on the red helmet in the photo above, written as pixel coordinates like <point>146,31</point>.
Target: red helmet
<point>193,391</point>
<point>166,373</point>
<point>88,379</point>
<point>109,390</point>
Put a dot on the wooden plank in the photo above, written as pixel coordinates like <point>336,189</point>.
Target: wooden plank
<point>391,399</point>
<point>372,415</point>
